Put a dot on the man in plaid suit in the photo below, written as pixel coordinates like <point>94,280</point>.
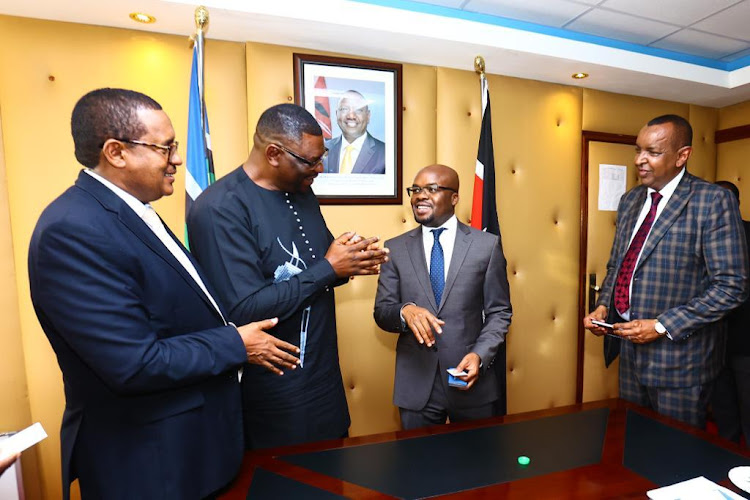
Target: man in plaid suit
<point>678,266</point>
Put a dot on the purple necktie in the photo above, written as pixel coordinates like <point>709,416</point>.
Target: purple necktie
<point>624,276</point>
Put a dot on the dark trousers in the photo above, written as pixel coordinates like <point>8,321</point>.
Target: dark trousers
<point>437,410</point>
<point>731,399</point>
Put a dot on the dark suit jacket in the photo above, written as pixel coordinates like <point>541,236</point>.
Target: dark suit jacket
<point>152,404</point>
<point>739,320</point>
<point>475,307</point>
<point>691,274</point>
<point>371,159</point>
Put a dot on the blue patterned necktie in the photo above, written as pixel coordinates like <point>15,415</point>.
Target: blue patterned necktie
<point>437,266</point>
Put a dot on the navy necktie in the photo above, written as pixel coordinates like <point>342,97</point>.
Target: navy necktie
<point>437,266</point>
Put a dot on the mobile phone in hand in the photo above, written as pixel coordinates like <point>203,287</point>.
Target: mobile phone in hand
<point>602,324</point>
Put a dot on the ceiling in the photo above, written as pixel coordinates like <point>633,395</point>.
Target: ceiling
<point>695,51</point>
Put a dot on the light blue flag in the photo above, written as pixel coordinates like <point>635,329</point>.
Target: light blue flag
<point>199,168</point>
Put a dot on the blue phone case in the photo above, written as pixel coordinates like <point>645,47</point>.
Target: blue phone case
<point>456,382</point>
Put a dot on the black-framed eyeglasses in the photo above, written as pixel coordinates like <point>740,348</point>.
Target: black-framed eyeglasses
<point>430,188</point>
<point>301,159</point>
<point>167,151</point>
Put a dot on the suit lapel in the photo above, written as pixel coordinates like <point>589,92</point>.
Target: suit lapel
<point>332,160</point>
<point>676,204</point>
<point>460,250</point>
<point>113,203</point>
<point>628,222</point>
<point>368,149</point>
<point>415,247</point>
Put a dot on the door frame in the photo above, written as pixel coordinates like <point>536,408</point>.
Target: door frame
<point>588,136</point>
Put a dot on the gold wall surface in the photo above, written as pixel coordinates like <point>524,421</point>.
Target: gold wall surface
<point>733,158</point>
<point>15,411</point>
<point>537,127</point>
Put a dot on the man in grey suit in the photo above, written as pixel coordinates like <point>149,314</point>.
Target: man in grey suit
<point>445,292</point>
<point>355,151</point>
<point>678,266</point>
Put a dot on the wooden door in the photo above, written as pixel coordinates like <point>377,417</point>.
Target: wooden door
<point>596,382</point>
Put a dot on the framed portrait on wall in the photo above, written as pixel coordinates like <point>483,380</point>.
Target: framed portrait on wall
<point>358,105</point>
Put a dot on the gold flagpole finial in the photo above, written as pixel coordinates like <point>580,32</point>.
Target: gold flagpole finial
<point>479,64</point>
<point>201,18</point>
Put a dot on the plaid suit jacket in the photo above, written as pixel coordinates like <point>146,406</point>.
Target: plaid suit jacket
<point>692,272</point>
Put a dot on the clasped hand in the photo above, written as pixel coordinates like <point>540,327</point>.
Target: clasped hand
<point>638,331</point>
<point>352,255</point>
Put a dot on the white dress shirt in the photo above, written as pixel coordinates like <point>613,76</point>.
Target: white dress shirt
<point>356,148</point>
<point>666,192</point>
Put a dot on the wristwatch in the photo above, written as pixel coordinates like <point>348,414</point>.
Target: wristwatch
<point>660,329</point>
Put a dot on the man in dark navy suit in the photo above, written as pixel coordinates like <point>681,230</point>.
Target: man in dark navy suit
<point>149,364</point>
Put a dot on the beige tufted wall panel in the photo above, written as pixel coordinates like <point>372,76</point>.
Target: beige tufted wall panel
<point>733,158</point>
<point>624,114</point>
<point>703,160</point>
<point>734,116</point>
<point>367,353</point>
<point>733,165</point>
<point>536,129</point>
<point>14,395</point>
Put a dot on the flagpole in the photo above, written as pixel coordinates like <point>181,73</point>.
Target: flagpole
<point>479,68</point>
<point>484,210</point>
<point>199,164</point>
<point>479,65</point>
<point>201,27</point>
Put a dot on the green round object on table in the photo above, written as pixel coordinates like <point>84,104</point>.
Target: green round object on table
<point>524,460</point>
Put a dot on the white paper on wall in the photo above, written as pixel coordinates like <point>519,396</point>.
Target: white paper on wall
<point>612,184</point>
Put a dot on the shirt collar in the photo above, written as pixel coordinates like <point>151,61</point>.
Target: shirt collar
<point>669,188</point>
<point>356,143</point>
<point>450,225</point>
<point>138,207</point>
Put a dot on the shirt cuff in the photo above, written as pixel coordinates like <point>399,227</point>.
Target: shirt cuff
<point>400,313</point>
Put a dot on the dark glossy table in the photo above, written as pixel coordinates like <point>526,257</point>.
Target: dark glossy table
<point>605,449</point>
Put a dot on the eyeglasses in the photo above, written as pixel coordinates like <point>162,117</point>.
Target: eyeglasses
<point>305,161</point>
<point>430,188</point>
<point>167,151</point>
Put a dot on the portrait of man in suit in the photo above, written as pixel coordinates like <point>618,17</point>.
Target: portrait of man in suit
<point>149,364</point>
<point>355,151</point>
<point>445,292</point>
<point>678,266</point>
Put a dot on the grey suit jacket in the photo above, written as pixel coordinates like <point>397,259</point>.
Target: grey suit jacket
<point>475,307</point>
<point>371,159</point>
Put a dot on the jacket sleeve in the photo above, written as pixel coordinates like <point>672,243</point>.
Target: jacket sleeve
<point>725,256</point>
<point>388,302</point>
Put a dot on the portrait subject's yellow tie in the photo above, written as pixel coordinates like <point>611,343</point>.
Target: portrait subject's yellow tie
<point>346,162</point>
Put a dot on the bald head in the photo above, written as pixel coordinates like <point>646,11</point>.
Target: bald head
<point>434,209</point>
<point>448,176</point>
